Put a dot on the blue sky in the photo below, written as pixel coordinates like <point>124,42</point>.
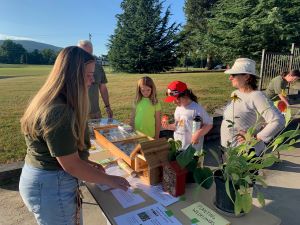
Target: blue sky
<point>64,22</point>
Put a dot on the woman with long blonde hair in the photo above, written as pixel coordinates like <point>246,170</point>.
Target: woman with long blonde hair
<point>55,129</point>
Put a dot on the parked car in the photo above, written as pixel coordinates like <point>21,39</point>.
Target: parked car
<point>220,67</point>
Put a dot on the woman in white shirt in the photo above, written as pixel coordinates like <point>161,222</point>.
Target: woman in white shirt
<point>243,109</point>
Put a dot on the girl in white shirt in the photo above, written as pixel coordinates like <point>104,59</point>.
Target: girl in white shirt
<point>187,109</point>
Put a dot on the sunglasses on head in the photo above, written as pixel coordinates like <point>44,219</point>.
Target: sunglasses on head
<point>174,93</point>
<point>234,75</point>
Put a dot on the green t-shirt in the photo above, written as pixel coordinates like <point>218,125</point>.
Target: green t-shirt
<point>100,78</point>
<point>60,141</point>
<point>275,87</point>
<point>145,116</point>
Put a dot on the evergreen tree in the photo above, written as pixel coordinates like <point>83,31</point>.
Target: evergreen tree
<point>143,41</point>
<point>197,13</point>
<point>242,28</point>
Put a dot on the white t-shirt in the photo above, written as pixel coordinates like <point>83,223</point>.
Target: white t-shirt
<point>184,121</point>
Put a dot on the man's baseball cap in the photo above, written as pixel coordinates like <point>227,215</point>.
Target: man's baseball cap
<point>175,88</point>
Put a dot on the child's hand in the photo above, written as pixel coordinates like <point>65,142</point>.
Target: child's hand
<point>165,121</point>
<point>195,139</point>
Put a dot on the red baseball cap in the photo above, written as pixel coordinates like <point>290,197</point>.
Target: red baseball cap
<point>174,89</point>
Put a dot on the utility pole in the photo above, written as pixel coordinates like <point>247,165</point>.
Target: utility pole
<point>90,37</point>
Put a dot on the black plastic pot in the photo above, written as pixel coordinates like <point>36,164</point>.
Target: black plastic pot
<point>222,201</point>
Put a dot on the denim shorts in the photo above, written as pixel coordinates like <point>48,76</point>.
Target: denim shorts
<point>50,195</point>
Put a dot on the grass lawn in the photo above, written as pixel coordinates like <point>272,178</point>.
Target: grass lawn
<point>18,83</point>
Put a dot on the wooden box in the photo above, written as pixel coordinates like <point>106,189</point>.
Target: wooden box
<point>174,179</point>
<point>142,153</point>
<point>122,144</point>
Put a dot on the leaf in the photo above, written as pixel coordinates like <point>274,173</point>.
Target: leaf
<point>250,156</point>
<point>237,204</point>
<point>186,156</point>
<point>228,190</point>
<point>278,141</point>
<point>203,177</point>
<point>172,145</point>
<point>289,134</point>
<point>261,180</point>
<point>247,202</point>
<point>248,179</point>
<point>178,144</point>
<point>261,198</point>
<point>234,176</point>
<point>269,161</point>
<point>293,141</point>
<point>192,165</point>
<point>288,116</point>
<point>282,147</point>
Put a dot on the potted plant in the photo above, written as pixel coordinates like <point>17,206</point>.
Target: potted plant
<point>238,171</point>
<point>191,160</point>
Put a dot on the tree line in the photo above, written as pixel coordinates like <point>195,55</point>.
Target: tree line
<point>13,53</point>
<point>215,31</point>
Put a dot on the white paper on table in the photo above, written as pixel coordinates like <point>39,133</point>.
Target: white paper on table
<point>151,215</point>
<point>158,194</point>
<point>112,170</point>
<point>96,149</point>
<point>136,182</point>
<point>127,198</point>
<point>115,170</point>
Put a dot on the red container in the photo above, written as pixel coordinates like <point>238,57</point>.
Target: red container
<point>174,179</point>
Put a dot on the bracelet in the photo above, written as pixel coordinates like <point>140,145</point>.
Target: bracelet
<point>107,106</point>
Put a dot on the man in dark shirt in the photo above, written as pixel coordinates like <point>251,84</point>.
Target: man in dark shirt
<point>98,85</point>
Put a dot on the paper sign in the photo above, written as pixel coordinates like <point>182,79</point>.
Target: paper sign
<point>158,194</point>
<point>127,198</point>
<point>151,215</point>
<point>201,214</point>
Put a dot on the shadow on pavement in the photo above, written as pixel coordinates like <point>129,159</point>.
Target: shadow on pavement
<point>11,184</point>
<point>282,202</point>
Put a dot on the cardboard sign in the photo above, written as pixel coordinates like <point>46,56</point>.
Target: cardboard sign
<point>201,214</point>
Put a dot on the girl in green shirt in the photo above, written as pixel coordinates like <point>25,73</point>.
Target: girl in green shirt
<point>145,116</point>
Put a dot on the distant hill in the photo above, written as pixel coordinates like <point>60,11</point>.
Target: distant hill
<point>32,45</point>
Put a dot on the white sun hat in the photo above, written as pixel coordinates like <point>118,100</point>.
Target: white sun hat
<point>243,66</point>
